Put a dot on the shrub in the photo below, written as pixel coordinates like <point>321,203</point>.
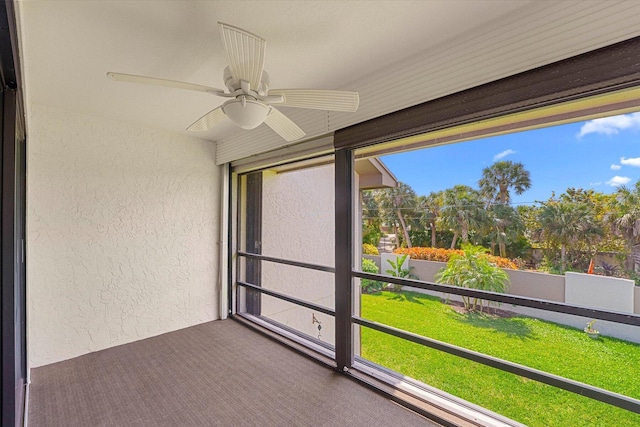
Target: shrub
<point>444,255</point>
<point>396,270</point>
<point>520,263</point>
<point>609,269</point>
<point>502,262</point>
<point>635,277</point>
<point>371,234</point>
<point>369,249</point>
<point>367,285</point>
<point>472,269</point>
<point>428,254</point>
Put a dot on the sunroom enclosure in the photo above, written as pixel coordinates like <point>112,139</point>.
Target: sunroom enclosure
<point>559,93</point>
<point>135,230</point>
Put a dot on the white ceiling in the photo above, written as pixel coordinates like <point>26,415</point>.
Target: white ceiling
<point>68,46</point>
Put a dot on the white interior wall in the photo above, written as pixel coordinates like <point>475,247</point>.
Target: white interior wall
<point>122,223</point>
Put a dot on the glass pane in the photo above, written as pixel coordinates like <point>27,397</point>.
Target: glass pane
<point>308,323</point>
<point>529,402</point>
<point>538,339</point>
<point>313,286</point>
<point>546,214</point>
<point>288,214</point>
<point>298,215</point>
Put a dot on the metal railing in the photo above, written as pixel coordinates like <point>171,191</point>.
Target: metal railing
<point>288,298</point>
<point>577,387</point>
<point>558,307</point>
<point>288,262</point>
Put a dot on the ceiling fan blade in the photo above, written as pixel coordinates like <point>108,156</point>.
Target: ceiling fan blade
<point>333,100</point>
<point>208,121</point>
<point>131,78</point>
<point>245,53</point>
<point>283,126</point>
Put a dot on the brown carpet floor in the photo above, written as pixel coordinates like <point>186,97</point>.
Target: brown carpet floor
<point>215,374</point>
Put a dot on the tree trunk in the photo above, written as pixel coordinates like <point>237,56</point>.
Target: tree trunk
<point>563,257</point>
<point>405,232</point>
<point>629,262</point>
<point>493,247</point>
<point>503,249</point>
<point>395,233</point>
<point>502,196</point>
<point>433,235</point>
<point>502,246</point>
<point>453,242</point>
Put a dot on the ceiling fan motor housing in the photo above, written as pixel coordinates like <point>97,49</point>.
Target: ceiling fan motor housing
<point>234,85</point>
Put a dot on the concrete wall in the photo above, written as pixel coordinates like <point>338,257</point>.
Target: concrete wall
<point>298,224</point>
<point>122,224</point>
<point>532,284</point>
<point>523,283</point>
<point>609,293</point>
<point>385,265</point>
<point>552,287</point>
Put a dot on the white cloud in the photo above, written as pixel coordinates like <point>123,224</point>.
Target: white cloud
<point>617,181</point>
<point>634,161</point>
<point>611,125</point>
<point>615,167</point>
<point>505,153</point>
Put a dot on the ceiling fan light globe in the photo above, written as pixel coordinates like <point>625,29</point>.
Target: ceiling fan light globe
<point>247,116</point>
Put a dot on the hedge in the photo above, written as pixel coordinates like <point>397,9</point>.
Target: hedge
<point>443,255</point>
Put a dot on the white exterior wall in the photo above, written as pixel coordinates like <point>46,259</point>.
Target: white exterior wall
<point>599,291</point>
<point>385,265</point>
<point>298,224</point>
<point>607,293</point>
<point>122,223</point>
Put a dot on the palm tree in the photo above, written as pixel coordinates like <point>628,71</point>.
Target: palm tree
<point>564,223</point>
<point>431,206</point>
<point>371,219</point>
<point>462,211</point>
<point>626,216</point>
<point>394,201</point>
<point>505,224</point>
<point>500,177</point>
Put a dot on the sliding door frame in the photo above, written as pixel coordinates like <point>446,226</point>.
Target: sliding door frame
<point>12,225</point>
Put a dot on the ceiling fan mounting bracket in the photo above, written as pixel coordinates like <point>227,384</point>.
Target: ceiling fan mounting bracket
<point>240,84</point>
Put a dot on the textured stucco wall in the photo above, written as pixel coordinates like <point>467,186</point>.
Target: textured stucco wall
<point>122,224</point>
<point>298,224</point>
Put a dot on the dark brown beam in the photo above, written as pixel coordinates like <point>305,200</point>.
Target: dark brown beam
<point>344,188</point>
<point>600,71</point>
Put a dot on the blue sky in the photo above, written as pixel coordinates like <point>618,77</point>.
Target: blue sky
<point>598,154</point>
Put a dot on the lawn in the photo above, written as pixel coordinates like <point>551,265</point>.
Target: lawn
<point>608,363</point>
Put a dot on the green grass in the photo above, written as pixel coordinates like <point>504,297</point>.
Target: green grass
<point>608,363</point>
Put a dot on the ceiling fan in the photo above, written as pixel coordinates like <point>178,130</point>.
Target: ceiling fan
<point>251,101</point>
